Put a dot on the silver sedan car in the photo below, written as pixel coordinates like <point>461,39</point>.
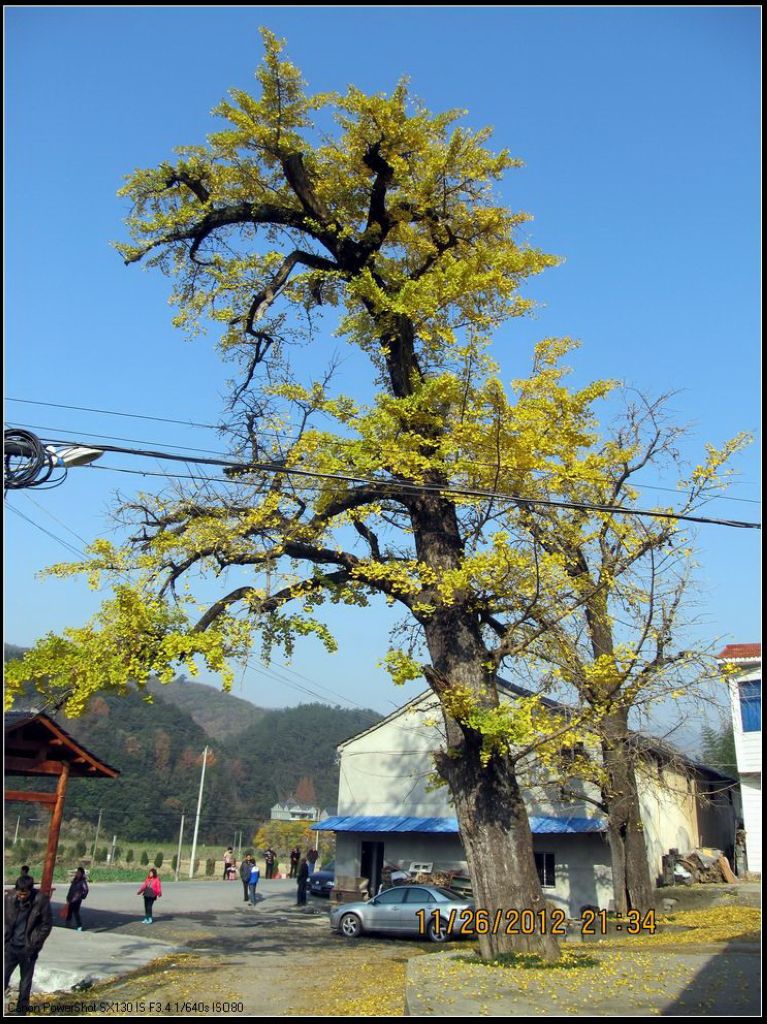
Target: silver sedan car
<point>418,910</point>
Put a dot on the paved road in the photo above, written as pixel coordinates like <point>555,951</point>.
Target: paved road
<point>221,956</point>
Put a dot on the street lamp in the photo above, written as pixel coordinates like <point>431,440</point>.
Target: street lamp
<point>29,463</point>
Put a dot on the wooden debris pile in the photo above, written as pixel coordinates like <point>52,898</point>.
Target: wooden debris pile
<point>704,866</point>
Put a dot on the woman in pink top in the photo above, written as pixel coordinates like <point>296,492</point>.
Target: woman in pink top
<point>150,890</point>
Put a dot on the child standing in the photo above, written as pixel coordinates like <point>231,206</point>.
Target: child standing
<point>150,890</point>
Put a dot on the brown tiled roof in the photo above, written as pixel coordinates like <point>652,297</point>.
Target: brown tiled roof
<point>741,651</point>
<point>28,737</point>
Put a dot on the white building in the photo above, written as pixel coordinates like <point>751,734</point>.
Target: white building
<point>391,814</point>
<point>294,810</point>
<point>745,687</point>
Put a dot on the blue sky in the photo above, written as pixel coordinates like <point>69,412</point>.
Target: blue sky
<point>639,129</point>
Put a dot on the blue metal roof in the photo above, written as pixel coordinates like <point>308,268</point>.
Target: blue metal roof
<point>545,826</point>
<point>388,823</point>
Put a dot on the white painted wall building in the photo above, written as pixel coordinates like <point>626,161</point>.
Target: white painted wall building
<point>745,687</point>
<point>392,811</point>
<point>293,810</point>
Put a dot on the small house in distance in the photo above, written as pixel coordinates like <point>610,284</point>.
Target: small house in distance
<point>391,816</point>
<point>745,686</point>
<point>293,810</point>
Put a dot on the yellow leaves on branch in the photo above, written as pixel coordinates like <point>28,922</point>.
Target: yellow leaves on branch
<point>712,474</point>
<point>134,636</point>
<point>402,667</point>
<point>515,725</point>
<point>446,260</point>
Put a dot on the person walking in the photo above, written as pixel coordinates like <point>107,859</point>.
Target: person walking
<point>150,890</point>
<point>229,862</point>
<point>28,923</point>
<point>245,875</point>
<point>78,891</point>
<point>302,878</point>
<point>311,859</point>
<point>255,874</point>
<point>295,857</point>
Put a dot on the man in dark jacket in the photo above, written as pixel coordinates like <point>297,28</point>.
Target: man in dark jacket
<point>245,875</point>
<point>28,923</point>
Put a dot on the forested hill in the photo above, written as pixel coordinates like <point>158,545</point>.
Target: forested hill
<point>219,714</point>
<point>288,745</point>
<point>158,747</point>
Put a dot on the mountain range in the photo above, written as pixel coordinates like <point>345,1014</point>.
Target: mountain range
<point>156,737</point>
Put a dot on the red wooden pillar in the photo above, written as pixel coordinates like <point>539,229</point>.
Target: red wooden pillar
<point>46,885</point>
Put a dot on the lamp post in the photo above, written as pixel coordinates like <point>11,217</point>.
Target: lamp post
<point>197,817</point>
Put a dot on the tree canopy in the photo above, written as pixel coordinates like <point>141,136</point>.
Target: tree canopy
<point>428,494</point>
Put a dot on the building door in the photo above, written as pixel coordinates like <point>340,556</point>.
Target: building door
<point>371,864</point>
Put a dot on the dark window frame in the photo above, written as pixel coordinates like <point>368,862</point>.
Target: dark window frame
<point>546,866</point>
<point>750,697</point>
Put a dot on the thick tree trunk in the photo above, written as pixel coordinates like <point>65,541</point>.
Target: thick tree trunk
<point>632,884</point>
<point>492,816</point>
<point>496,836</point>
<point>491,813</point>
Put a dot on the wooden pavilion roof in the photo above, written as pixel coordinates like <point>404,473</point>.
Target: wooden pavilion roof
<point>36,745</point>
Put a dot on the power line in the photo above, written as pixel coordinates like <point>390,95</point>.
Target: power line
<point>397,487</point>
<point>264,433</point>
<point>266,669</point>
<point>113,437</point>
<point>112,412</point>
<point>72,550</point>
<point>56,519</point>
<point>166,476</point>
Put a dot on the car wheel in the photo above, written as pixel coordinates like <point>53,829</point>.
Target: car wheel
<point>437,933</point>
<point>351,926</point>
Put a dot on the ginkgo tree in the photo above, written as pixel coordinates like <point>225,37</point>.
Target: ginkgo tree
<point>610,624</point>
<point>389,224</point>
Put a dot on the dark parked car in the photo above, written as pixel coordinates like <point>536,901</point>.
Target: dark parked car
<point>322,881</point>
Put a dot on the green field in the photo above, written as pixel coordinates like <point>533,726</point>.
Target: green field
<point>122,869</point>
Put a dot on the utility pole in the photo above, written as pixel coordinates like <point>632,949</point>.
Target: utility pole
<point>197,818</point>
<point>112,854</point>
<point>16,833</point>
<point>178,855</point>
<point>96,840</point>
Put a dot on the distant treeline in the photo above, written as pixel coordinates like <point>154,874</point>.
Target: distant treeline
<point>258,757</point>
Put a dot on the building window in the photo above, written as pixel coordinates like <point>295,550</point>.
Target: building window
<point>751,705</point>
<point>572,754</point>
<point>544,865</point>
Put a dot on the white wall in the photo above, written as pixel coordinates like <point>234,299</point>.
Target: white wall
<point>748,745</point>
<point>748,751</point>
<point>389,771</point>
<point>582,862</point>
<point>751,791</point>
<point>669,812</point>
